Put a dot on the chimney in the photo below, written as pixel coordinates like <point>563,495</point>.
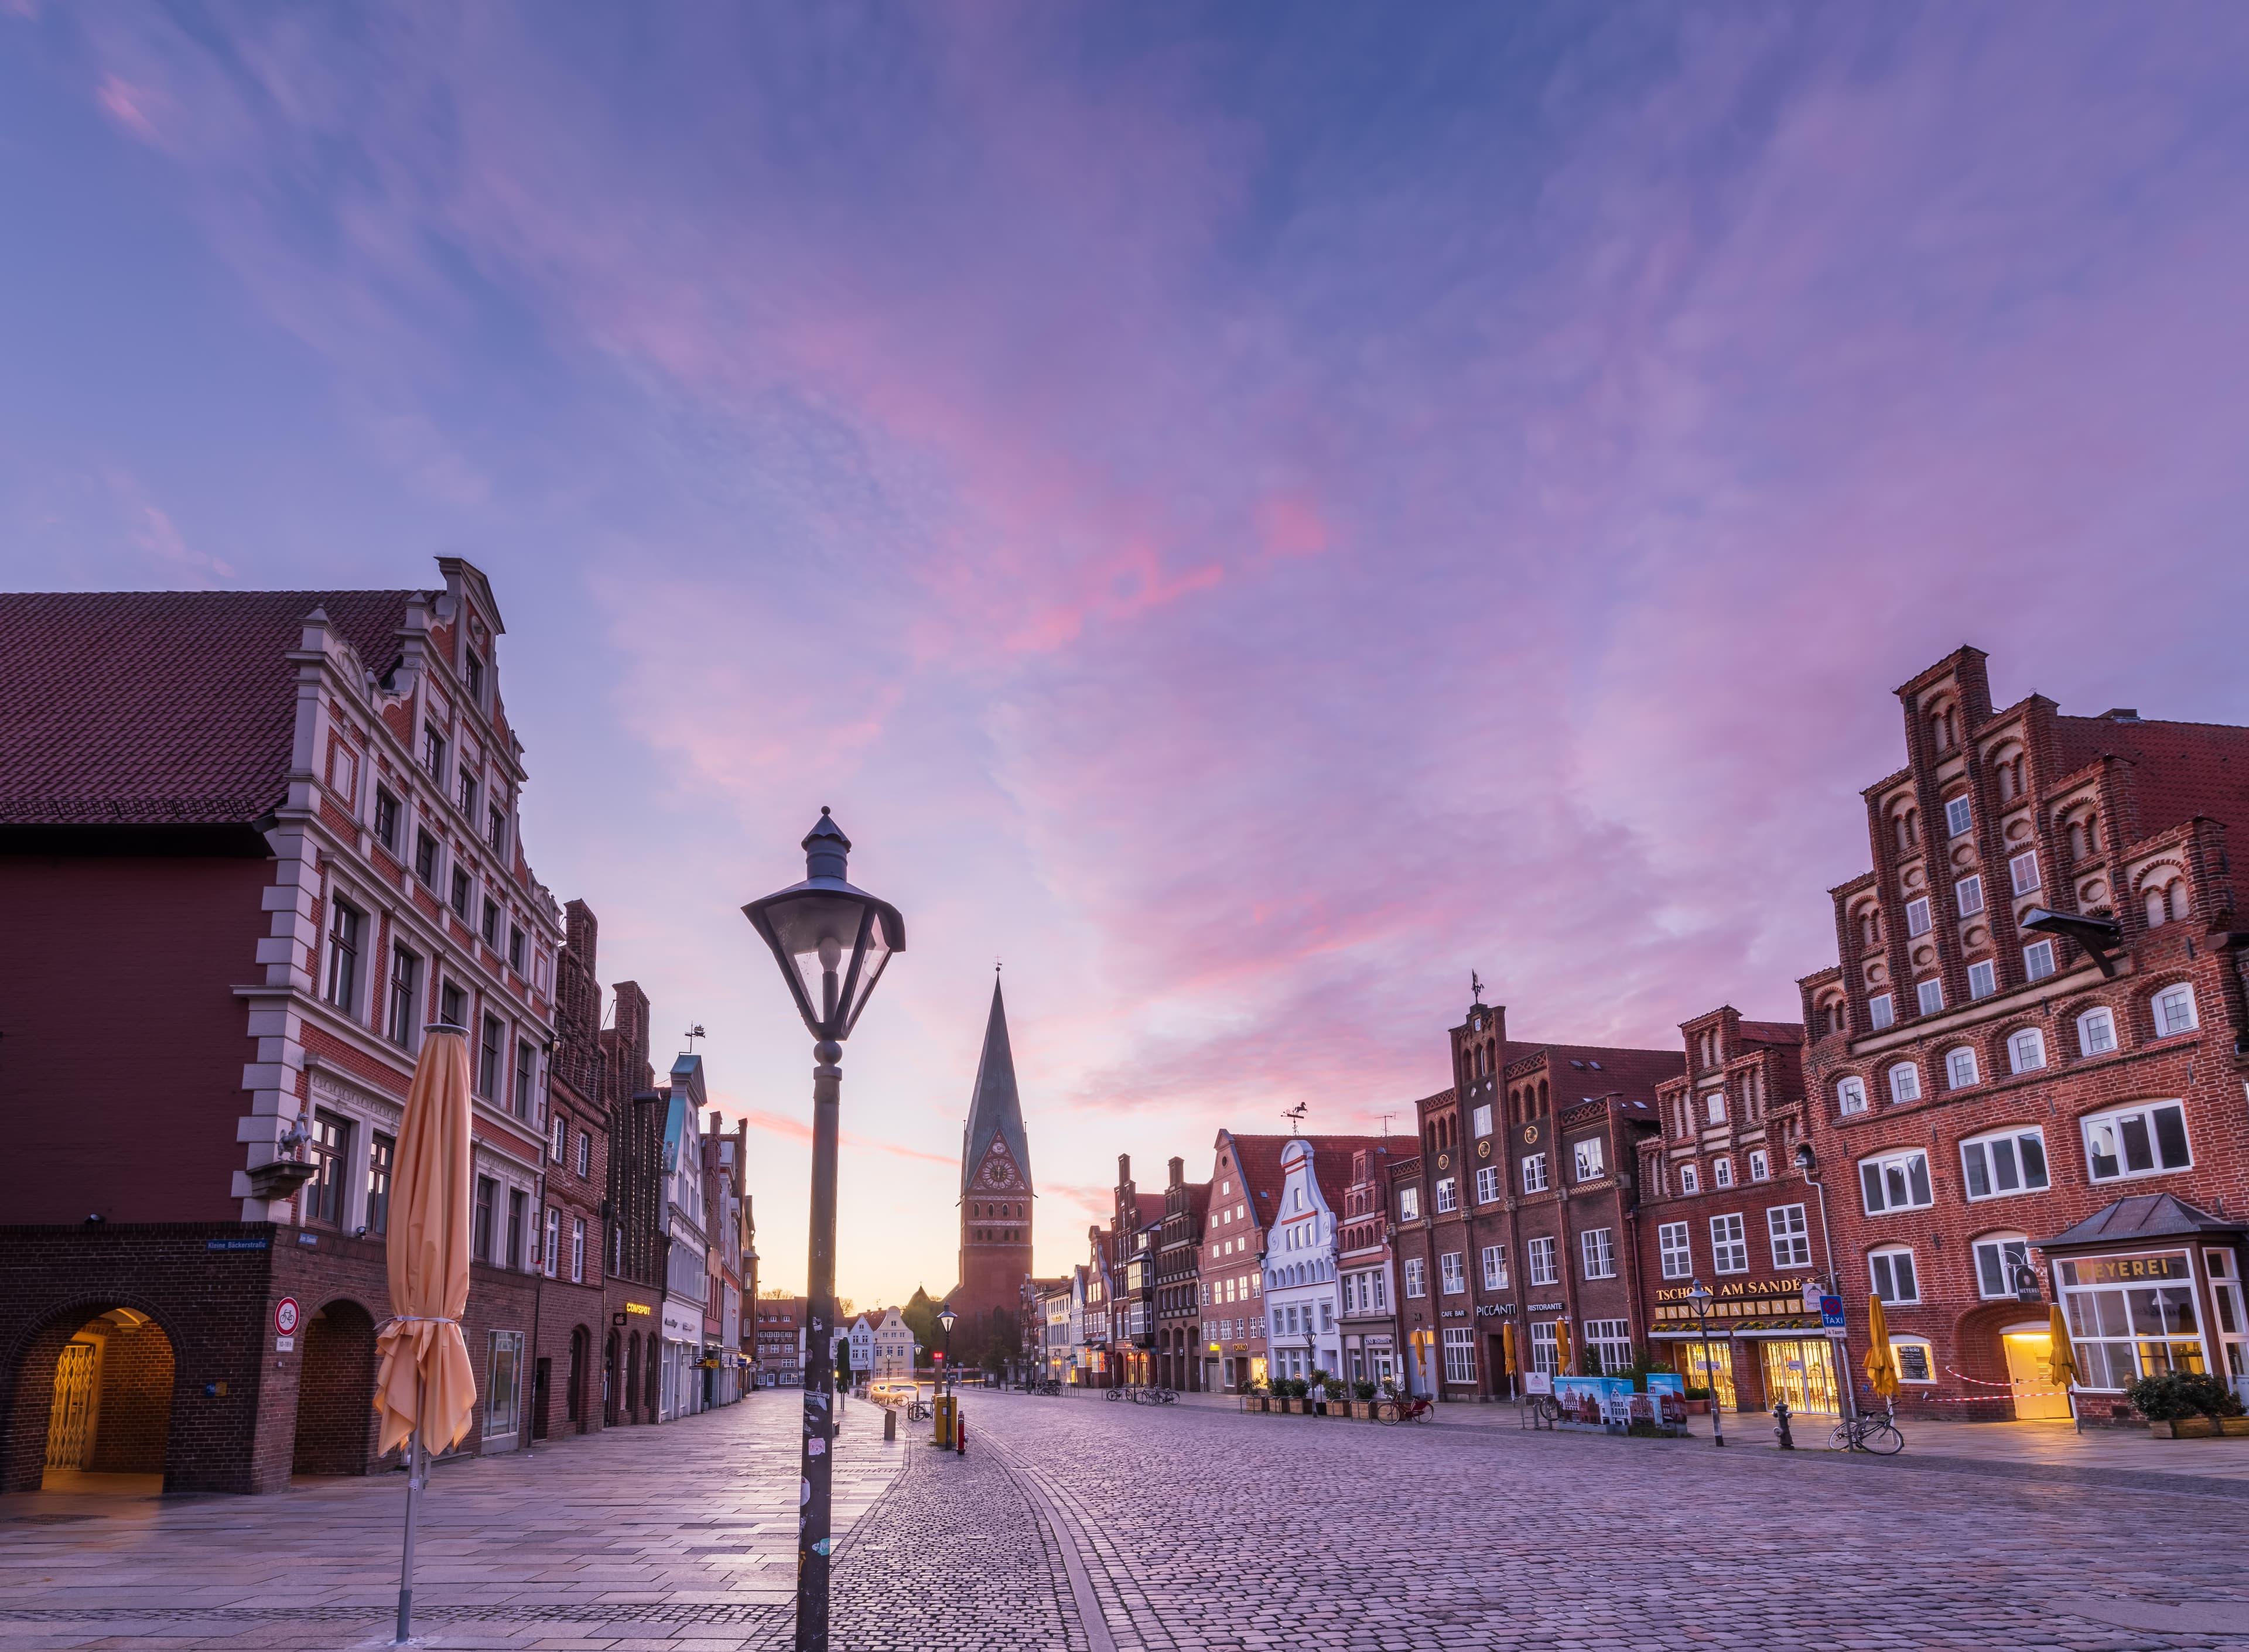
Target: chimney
<point>1179,1171</point>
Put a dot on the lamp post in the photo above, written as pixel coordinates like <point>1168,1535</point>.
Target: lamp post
<point>831,942</point>
<point>1807,1163</point>
<point>1699,1294</point>
<point>945,1319</point>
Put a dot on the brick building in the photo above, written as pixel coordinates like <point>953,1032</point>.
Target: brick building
<point>639,1248</point>
<point>1722,1202</point>
<point>778,1327</point>
<point>1367,1269</point>
<point>1245,1183</point>
<point>1524,1208</point>
<point>573,1312</point>
<point>291,820</point>
<point>2027,1069</point>
<point>997,1198</point>
<point>1178,1281</point>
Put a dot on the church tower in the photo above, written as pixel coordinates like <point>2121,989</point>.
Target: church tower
<point>995,1183</point>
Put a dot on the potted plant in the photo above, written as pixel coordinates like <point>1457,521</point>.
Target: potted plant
<point>1298,1405</point>
<point>1331,1393</point>
<point>1253,1397</point>
<point>1362,1401</point>
<point>1698,1400</point>
<point>2181,1405</point>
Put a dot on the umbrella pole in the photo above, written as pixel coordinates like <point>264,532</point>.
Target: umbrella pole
<point>416,1466</point>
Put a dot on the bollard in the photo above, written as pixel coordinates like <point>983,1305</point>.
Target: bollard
<point>890,1424</point>
<point>960,1435</point>
<point>1780,1413</point>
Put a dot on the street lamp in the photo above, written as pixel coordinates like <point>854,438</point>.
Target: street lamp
<point>831,942</point>
<point>1699,1294</point>
<point>1807,1163</point>
<point>945,1319</point>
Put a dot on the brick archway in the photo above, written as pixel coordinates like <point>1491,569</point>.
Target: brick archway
<point>336,1391</point>
<point>135,1381</point>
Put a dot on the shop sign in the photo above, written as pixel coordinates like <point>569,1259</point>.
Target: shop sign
<point>1731,1289</point>
<point>638,1308</point>
<point>1493,1310</point>
<point>1545,1307</point>
<point>2117,1270</point>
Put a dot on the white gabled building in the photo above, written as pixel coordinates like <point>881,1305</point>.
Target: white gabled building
<point>1303,1300</point>
<point>687,1275</point>
<point>893,1346</point>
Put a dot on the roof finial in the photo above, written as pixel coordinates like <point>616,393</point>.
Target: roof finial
<point>1475,988</point>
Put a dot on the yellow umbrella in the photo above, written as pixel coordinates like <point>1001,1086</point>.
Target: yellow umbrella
<point>426,1387</point>
<point>1882,1362</point>
<point>1561,1347</point>
<point>1507,1351</point>
<point>2061,1359</point>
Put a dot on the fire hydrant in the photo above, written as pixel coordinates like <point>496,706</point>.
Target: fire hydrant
<point>1781,1414</point>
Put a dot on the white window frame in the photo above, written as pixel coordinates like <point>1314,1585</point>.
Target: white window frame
<point>1479,1121</point>
<point>1850,1095</point>
<point>1903,1346</point>
<point>1882,1165</point>
<point>1714,1105</point>
<point>553,1247</point>
<point>1959,818</point>
<point>1690,1179</point>
<point>1790,1235</point>
<point>1929,995</point>
<point>1960,1070</point>
<point>1722,1172</point>
<point>2025,1049</point>
<point>1539,1268</point>
<point>1495,1267</point>
<point>1881,1011</point>
<point>1760,1166</point>
<point>2165,1007</point>
<point>1590,1158</point>
<point>2009,1251</point>
<point>1968,895</point>
<point>1917,916</point>
<point>1905,1082</point>
<point>1676,1249</point>
<point>2117,1117</point>
<point>1881,1275</point>
<point>1409,1204</point>
<point>2038,960</point>
<point>1979,1161</point>
<point>1416,1280</point>
<point>1452,1278</point>
<point>1460,1355</point>
<point>1487,1184</point>
<point>2103,1017</point>
<point>2023,872</point>
<point>1597,1253</point>
<point>1534,1173</point>
<point>1730,1243</point>
<point>1448,1196</point>
<point>1983,978</point>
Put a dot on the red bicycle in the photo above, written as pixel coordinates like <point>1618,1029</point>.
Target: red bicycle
<point>1404,1411</point>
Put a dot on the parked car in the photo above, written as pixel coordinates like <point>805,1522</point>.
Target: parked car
<point>893,1391</point>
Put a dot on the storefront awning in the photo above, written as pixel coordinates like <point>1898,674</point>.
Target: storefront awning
<point>2147,1216</point>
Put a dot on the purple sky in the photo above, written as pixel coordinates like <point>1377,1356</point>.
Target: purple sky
<point>1246,512</point>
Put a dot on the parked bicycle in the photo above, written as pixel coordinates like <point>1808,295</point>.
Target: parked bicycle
<point>1047,1386</point>
<point>1404,1411</point>
<point>1545,1408</point>
<point>919,1411</point>
<point>1150,1396</point>
<point>1874,1431</point>
<point>1116,1394</point>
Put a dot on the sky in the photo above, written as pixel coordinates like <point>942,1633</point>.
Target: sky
<point>1246,512</point>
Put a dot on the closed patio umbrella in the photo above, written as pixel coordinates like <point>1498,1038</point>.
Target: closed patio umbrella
<point>426,1388</point>
<point>1561,1347</point>
<point>1881,1359</point>
<point>1507,1351</point>
<point>2061,1359</point>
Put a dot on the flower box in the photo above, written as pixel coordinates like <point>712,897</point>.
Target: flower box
<point>1363,1410</point>
<point>2197,1428</point>
<point>1698,1408</point>
<point>1299,1408</point>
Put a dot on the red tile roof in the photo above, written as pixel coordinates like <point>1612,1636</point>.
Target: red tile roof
<point>161,707</point>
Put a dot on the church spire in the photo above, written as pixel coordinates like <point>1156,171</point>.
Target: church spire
<point>995,1109</point>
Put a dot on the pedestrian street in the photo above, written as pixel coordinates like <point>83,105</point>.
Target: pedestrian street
<point>1075,1525</point>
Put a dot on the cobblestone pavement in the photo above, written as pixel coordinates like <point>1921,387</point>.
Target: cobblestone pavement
<point>1075,1527</point>
<point>1206,1529</point>
<point>682,1535</point>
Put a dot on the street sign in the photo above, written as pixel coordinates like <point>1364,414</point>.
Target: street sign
<point>285,1317</point>
<point>1831,1316</point>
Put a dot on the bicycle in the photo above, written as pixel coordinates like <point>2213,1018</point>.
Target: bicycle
<point>1153,1396</point>
<point>919,1411</point>
<point>1404,1411</point>
<point>1116,1394</point>
<point>1545,1408</point>
<point>1874,1431</point>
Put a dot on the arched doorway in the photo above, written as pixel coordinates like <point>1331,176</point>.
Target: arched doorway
<point>93,1404</point>
<point>335,1391</point>
<point>612,1351</point>
<point>631,1407</point>
<point>574,1407</point>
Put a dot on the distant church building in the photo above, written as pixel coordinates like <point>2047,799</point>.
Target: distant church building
<point>996,1186</point>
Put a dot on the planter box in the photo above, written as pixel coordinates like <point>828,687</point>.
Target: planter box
<point>1698,1408</point>
<point>2198,1428</point>
<point>1299,1408</point>
<point>1363,1410</point>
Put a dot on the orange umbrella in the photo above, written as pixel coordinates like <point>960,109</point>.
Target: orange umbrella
<point>426,1388</point>
<point>1561,1347</point>
<point>1507,1349</point>
<point>1882,1362</point>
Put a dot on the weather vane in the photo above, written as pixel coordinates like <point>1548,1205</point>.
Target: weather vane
<point>1475,988</point>
<point>693,1033</point>
<point>1295,1116</point>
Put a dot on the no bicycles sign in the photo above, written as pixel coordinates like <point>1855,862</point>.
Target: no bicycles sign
<point>285,1317</point>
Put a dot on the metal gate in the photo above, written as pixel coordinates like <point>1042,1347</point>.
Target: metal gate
<point>70,1424</point>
